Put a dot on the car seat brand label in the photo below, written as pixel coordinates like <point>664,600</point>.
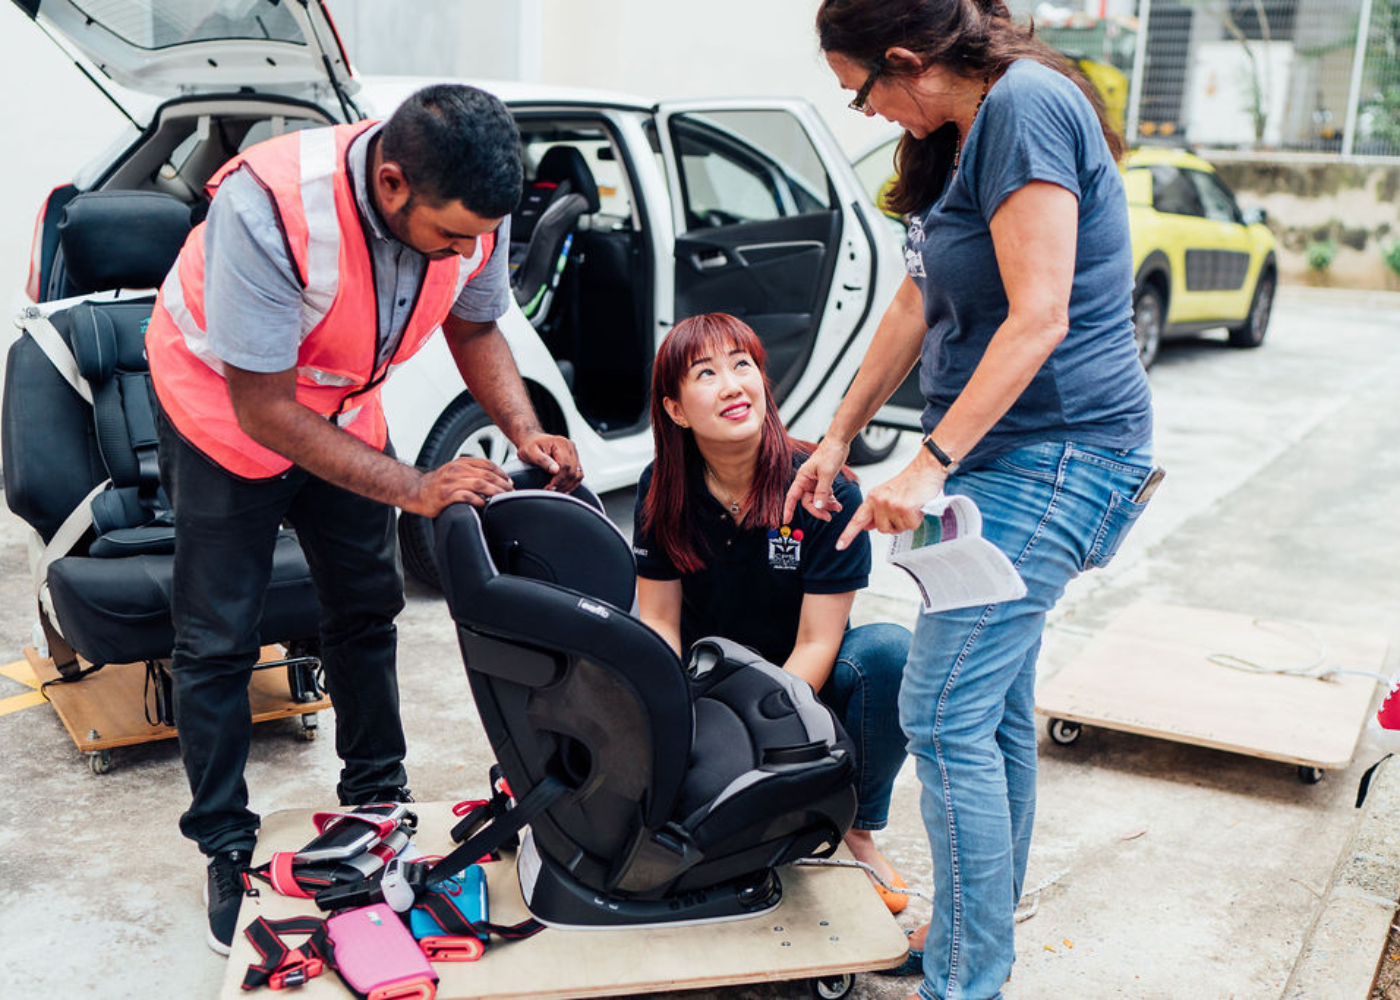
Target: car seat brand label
<point>593,609</point>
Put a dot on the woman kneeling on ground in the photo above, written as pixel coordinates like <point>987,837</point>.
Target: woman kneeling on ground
<point>715,558</point>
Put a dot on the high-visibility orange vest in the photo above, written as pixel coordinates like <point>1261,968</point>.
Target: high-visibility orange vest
<point>305,174</point>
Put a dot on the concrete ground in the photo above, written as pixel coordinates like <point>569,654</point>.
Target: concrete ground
<point>1182,872</point>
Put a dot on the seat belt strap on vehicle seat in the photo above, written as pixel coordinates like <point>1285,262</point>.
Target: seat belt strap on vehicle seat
<point>50,341</point>
<point>74,526</point>
<point>279,966</point>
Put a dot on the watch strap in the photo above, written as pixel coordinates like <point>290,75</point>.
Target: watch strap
<point>940,456</point>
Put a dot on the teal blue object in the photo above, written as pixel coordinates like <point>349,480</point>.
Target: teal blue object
<point>466,891</point>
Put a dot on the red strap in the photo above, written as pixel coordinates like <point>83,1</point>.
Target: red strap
<point>383,826</point>
<point>279,873</point>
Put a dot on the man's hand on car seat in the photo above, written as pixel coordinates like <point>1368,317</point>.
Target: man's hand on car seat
<point>462,480</point>
<point>557,456</point>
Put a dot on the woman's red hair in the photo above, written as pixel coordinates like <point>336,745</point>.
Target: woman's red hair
<point>677,456</point>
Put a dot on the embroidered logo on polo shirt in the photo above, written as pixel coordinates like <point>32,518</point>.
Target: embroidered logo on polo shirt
<point>784,547</point>
<point>914,259</point>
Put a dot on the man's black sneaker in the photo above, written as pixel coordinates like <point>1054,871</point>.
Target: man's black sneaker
<point>223,894</point>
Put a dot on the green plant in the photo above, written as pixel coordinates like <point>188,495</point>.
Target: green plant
<point>1320,255</point>
<point>1391,256</point>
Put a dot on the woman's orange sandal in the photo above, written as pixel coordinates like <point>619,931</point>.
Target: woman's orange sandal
<point>895,901</point>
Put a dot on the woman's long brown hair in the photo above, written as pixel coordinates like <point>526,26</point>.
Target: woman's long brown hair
<point>973,38</point>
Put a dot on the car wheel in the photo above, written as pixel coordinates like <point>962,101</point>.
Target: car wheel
<point>874,444</point>
<point>463,431</point>
<point>1148,316</point>
<point>1251,332</point>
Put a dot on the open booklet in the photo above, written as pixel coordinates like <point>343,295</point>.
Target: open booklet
<point>951,563</point>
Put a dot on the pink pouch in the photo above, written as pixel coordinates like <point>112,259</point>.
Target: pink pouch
<point>376,956</point>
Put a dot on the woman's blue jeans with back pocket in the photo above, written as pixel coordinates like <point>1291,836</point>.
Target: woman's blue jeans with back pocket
<point>968,698</point>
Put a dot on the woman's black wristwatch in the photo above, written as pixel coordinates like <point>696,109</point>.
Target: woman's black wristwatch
<point>941,456</point>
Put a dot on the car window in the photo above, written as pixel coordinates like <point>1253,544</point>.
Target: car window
<point>1219,203</point>
<point>747,166</point>
<point>1173,193</point>
<point>158,25</point>
<point>595,143</point>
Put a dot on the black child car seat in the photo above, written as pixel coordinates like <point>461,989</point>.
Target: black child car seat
<point>78,431</point>
<point>683,786</point>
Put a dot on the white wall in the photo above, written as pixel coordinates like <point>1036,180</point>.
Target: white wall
<point>57,120</point>
<point>54,121</point>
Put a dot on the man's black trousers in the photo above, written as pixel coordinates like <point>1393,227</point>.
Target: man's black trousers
<point>225,530</point>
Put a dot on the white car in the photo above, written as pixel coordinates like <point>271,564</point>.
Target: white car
<point>741,206</point>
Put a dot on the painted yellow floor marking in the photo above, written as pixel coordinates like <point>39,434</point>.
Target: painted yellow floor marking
<point>20,671</point>
<point>16,702</point>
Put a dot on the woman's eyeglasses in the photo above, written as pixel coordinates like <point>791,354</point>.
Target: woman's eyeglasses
<point>862,97</point>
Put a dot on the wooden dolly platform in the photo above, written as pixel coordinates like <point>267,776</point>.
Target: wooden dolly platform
<point>1157,670</point>
<point>110,708</point>
<point>830,925</point>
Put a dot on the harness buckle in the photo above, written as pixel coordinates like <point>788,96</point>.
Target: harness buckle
<point>296,972</point>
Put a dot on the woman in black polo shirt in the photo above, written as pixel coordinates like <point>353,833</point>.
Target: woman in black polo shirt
<point>714,558</point>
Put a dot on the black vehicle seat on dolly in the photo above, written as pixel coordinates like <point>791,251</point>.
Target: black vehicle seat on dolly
<point>77,430</point>
<point>685,787</point>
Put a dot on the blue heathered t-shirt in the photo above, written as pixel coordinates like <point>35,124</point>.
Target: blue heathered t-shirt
<point>1035,125</point>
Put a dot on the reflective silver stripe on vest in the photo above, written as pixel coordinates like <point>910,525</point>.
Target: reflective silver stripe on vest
<point>323,377</point>
<point>348,417</point>
<point>318,163</point>
<point>172,293</point>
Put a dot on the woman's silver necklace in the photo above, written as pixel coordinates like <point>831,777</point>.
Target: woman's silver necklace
<point>728,498</point>
<point>957,150</point>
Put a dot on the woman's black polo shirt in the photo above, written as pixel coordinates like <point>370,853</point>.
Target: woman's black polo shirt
<point>753,582</point>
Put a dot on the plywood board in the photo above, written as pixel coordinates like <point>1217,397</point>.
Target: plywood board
<point>114,701</point>
<point>1163,670</point>
<point>830,920</point>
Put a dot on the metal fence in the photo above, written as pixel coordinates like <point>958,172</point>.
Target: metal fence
<point>1306,76</point>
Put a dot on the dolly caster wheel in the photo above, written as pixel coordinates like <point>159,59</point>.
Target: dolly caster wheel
<point>309,727</point>
<point>1309,775</point>
<point>100,761</point>
<point>833,987</point>
<point>1063,732</point>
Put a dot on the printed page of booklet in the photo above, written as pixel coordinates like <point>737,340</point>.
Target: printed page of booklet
<point>951,563</point>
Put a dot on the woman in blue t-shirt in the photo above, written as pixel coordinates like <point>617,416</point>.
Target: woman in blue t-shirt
<point>714,558</point>
<point>1018,302</point>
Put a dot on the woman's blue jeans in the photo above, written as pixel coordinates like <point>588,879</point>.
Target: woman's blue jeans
<point>863,691</point>
<point>968,699</point>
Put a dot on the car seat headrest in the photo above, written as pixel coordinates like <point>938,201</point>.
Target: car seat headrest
<point>562,540</point>
<point>106,339</point>
<point>121,239</point>
<point>565,163</point>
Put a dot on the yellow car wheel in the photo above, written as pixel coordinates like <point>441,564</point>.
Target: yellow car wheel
<point>1149,314</point>
<point>1251,332</point>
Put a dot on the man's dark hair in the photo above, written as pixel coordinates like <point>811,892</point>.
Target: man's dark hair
<point>457,143</point>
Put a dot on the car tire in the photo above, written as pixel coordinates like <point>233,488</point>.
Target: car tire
<point>463,430</point>
<point>1149,316</point>
<point>1251,332</point>
<point>873,444</point>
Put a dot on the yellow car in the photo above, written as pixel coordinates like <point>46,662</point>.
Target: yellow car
<point>1199,262</point>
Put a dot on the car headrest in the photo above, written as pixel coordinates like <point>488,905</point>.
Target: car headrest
<point>562,540</point>
<point>121,239</point>
<point>565,163</point>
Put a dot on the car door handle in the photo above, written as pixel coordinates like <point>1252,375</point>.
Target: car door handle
<point>709,260</point>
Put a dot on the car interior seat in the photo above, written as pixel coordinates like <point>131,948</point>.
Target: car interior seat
<point>683,787</point>
<point>97,251</point>
<point>78,435</point>
<point>542,228</point>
